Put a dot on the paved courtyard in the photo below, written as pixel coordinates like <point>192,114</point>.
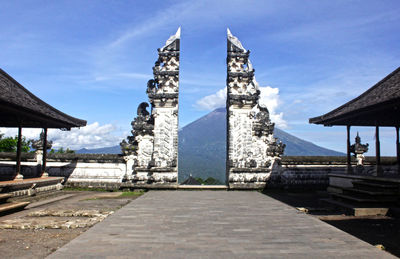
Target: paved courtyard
<point>214,224</point>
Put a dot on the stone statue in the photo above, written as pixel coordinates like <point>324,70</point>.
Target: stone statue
<point>358,150</point>
<point>38,144</point>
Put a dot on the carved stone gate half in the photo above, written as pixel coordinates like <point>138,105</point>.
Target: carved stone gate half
<point>151,153</point>
<point>252,151</point>
<point>152,150</point>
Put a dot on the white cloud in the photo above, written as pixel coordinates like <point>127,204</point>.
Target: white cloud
<point>213,101</point>
<point>269,97</point>
<point>91,136</point>
<point>156,20</point>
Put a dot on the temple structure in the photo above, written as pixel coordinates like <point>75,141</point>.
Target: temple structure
<point>152,150</point>
<point>377,107</point>
<point>21,109</point>
<point>252,150</point>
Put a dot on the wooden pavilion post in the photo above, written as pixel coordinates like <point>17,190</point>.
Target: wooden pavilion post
<point>378,152</point>
<point>44,174</point>
<point>398,149</point>
<point>349,168</point>
<point>19,176</point>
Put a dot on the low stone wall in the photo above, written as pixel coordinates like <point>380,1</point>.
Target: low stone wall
<point>93,170</point>
<point>311,172</point>
<point>29,165</point>
<point>111,171</point>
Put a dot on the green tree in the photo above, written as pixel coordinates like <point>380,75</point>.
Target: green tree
<point>212,181</point>
<point>70,151</point>
<point>61,150</point>
<point>200,180</point>
<point>9,144</point>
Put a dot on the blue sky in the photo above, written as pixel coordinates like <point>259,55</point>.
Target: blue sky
<point>92,59</point>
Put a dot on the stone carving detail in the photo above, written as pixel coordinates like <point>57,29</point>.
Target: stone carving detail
<point>252,150</point>
<point>38,144</point>
<point>154,140</point>
<point>358,150</point>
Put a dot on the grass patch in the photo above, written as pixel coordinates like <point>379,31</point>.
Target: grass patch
<point>132,193</point>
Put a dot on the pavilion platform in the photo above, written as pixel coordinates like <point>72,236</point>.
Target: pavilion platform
<point>31,186</point>
<point>364,195</point>
<point>25,187</point>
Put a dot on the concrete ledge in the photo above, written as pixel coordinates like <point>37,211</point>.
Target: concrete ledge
<point>365,177</point>
<point>152,186</point>
<point>31,186</point>
<point>203,187</point>
<point>247,186</point>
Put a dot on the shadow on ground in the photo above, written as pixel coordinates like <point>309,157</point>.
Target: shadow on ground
<point>375,230</point>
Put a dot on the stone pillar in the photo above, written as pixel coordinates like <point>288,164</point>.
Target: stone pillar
<point>18,175</point>
<point>155,133</point>
<point>398,149</point>
<point>39,160</point>
<point>379,170</point>
<point>41,152</point>
<point>130,162</point>
<point>349,169</point>
<point>252,150</point>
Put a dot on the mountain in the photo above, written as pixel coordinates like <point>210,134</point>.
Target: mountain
<point>103,150</point>
<point>202,147</point>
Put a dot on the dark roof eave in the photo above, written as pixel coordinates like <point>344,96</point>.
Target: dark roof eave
<point>329,118</point>
<point>358,117</point>
<point>46,121</point>
<point>53,119</point>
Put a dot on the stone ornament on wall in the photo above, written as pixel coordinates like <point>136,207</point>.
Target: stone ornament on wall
<point>252,150</point>
<point>153,146</point>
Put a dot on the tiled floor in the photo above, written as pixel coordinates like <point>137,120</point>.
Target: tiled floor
<point>214,224</point>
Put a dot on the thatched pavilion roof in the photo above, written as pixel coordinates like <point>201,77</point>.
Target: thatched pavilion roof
<point>378,106</point>
<point>20,108</point>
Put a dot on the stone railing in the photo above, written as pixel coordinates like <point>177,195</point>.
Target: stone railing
<point>110,171</point>
<point>311,172</point>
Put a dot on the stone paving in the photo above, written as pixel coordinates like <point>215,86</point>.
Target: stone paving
<point>214,224</point>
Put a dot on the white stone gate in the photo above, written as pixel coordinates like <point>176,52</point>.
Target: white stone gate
<point>151,153</point>
<point>252,150</point>
<point>153,149</point>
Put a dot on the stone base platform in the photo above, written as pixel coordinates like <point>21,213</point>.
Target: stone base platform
<point>363,195</point>
<point>247,186</point>
<point>31,186</point>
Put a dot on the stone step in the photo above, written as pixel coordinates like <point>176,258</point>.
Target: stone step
<point>377,185</point>
<point>355,209</point>
<point>4,197</point>
<point>371,192</point>
<point>363,199</point>
<point>6,207</point>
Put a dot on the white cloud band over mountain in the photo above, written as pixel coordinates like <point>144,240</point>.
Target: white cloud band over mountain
<point>91,136</point>
<point>269,97</point>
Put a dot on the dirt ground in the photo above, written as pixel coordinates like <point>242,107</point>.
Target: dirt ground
<point>375,230</point>
<point>51,221</point>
